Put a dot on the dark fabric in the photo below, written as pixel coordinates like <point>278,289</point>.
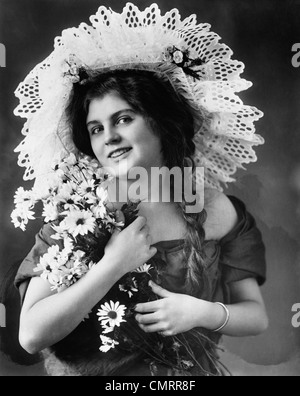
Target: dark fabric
<point>43,241</point>
<point>242,250</point>
<point>238,256</point>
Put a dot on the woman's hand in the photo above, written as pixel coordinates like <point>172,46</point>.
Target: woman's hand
<point>178,313</point>
<point>130,248</point>
<point>172,314</point>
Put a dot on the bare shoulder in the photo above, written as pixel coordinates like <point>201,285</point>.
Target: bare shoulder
<point>221,215</point>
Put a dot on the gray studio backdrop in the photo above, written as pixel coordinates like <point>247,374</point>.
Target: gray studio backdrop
<point>262,34</point>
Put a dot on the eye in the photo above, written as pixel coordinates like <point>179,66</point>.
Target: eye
<point>96,130</point>
<point>124,120</point>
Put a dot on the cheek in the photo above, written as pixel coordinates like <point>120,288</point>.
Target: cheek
<point>98,147</point>
<point>146,138</point>
<point>150,150</point>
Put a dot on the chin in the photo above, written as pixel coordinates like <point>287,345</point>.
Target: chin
<point>121,169</point>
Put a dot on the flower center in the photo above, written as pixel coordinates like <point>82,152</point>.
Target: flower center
<point>112,315</point>
<point>80,222</point>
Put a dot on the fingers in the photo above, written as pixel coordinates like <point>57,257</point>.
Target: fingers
<point>161,328</point>
<point>120,216</point>
<point>147,319</point>
<point>149,307</point>
<point>138,223</point>
<point>159,290</point>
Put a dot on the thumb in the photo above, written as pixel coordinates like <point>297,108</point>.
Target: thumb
<point>120,216</point>
<point>159,290</point>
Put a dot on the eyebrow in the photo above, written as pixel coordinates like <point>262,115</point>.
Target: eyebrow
<point>113,116</point>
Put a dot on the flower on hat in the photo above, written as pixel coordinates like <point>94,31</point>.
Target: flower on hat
<point>178,57</point>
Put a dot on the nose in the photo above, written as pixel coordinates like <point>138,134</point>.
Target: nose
<point>112,137</point>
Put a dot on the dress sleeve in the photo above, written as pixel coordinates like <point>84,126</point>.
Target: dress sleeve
<point>242,250</point>
<point>43,241</point>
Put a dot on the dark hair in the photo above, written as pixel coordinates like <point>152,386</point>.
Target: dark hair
<point>170,117</point>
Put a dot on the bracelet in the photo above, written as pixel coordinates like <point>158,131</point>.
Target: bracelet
<point>226,320</point>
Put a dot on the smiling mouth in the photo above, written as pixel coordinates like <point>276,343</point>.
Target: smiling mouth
<point>119,153</point>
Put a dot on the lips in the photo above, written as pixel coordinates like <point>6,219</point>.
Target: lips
<point>117,153</point>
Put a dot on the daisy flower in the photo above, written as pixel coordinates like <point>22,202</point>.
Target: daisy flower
<point>111,223</point>
<point>68,244</point>
<point>107,329</point>
<point>145,268</point>
<point>72,203</point>
<point>53,184</point>
<point>17,220</point>
<point>55,280</point>
<point>66,163</point>
<point>86,187</point>
<point>111,314</point>
<point>71,160</point>
<point>50,212</point>
<point>107,344</point>
<point>23,197</point>
<point>20,217</point>
<point>102,194</point>
<point>52,260</point>
<point>78,255</point>
<point>73,271</point>
<point>129,288</point>
<point>99,211</point>
<point>80,222</point>
<point>65,192</point>
<point>61,231</point>
<point>51,264</point>
<point>87,161</point>
<point>87,316</point>
<point>67,197</point>
<point>187,364</point>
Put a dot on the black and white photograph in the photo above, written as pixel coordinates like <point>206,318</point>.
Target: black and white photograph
<point>150,190</point>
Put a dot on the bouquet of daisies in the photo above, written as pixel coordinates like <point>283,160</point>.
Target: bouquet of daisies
<point>76,207</point>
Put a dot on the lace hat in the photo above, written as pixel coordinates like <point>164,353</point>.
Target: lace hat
<point>188,54</point>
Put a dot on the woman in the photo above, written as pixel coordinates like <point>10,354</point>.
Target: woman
<point>133,117</point>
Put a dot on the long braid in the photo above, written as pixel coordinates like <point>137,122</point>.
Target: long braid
<point>197,278</point>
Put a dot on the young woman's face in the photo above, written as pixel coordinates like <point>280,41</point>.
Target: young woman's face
<point>121,138</point>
